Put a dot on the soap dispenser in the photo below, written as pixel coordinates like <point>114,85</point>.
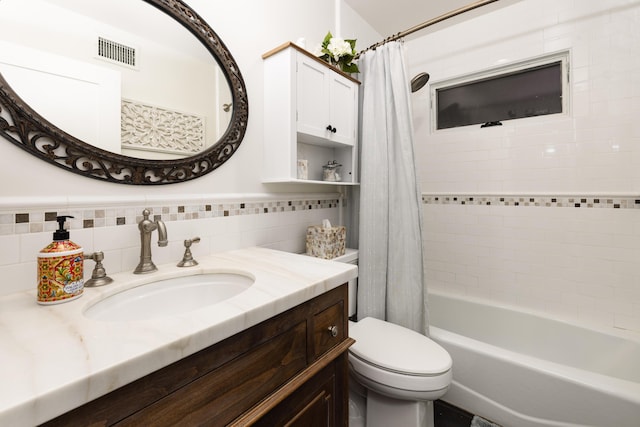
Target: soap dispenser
<point>60,268</point>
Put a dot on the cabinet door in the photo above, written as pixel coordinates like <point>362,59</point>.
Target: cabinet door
<point>318,411</point>
<point>326,101</point>
<point>312,98</point>
<point>342,110</point>
<point>312,405</point>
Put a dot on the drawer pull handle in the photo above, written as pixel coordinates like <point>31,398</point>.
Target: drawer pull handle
<point>333,330</point>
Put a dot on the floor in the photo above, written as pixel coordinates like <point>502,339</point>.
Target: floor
<point>446,415</point>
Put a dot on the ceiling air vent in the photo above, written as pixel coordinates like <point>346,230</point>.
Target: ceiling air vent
<point>116,52</point>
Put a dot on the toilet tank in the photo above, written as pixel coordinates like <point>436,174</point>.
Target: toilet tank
<point>350,257</point>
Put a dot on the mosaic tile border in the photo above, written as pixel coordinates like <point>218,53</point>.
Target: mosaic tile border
<point>36,221</point>
<point>598,202</point>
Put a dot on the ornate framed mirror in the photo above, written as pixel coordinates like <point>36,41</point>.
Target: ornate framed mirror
<point>25,127</point>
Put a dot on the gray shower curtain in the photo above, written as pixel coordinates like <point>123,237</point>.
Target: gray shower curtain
<point>391,284</point>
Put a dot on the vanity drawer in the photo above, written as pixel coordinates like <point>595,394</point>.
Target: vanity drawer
<point>328,328</point>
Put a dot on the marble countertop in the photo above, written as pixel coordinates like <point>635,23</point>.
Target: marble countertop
<point>53,358</point>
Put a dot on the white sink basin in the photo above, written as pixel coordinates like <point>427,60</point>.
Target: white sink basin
<point>169,297</point>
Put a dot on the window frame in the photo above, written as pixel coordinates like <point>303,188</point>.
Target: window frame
<point>504,70</point>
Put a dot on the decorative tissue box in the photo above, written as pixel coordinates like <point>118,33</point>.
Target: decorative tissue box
<point>326,242</point>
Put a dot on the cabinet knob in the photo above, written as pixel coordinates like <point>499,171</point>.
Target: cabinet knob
<point>333,330</point>
<point>331,129</point>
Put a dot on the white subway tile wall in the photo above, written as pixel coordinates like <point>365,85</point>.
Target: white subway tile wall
<point>571,253</point>
<point>577,263</point>
<point>277,222</point>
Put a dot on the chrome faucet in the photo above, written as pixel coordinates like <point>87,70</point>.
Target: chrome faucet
<point>146,227</point>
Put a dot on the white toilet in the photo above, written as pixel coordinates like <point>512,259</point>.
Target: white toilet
<point>398,372</point>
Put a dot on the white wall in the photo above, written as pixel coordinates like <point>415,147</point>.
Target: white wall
<point>258,214</point>
<point>94,114</point>
<point>249,29</point>
<point>543,253</point>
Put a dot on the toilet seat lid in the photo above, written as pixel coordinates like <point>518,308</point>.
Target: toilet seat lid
<point>397,349</point>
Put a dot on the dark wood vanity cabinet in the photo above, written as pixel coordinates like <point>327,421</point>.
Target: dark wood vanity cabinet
<point>289,370</point>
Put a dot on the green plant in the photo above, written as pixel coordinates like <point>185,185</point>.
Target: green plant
<point>339,52</point>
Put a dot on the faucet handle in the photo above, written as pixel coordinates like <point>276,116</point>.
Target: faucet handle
<point>99,275</point>
<point>187,259</point>
<point>188,242</point>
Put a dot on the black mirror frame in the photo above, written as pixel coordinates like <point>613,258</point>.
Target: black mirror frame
<point>39,137</point>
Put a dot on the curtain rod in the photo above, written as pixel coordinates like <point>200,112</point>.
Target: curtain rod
<point>428,23</point>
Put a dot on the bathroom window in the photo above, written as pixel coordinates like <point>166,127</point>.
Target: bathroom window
<point>528,89</point>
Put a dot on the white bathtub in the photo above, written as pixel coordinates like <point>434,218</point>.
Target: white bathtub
<point>521,370</point>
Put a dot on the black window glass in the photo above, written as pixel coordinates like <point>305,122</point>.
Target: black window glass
<point>532,92</point>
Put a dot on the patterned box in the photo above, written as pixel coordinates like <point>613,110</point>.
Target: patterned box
<point>326,243</point>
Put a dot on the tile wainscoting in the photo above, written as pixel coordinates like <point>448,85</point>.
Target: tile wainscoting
<point>577,262</point>
<point>38,220</point>
<point>612,202</point>
<point>222,222</point>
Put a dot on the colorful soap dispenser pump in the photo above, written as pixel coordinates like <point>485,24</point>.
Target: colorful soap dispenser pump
<point>60,268</point>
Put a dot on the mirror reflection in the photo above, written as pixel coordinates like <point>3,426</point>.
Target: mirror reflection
<point>118,74</point>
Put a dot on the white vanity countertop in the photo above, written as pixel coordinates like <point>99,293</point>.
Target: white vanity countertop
<point>53,358</point>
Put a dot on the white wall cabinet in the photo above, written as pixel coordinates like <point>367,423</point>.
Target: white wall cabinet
<point>310,113</point>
